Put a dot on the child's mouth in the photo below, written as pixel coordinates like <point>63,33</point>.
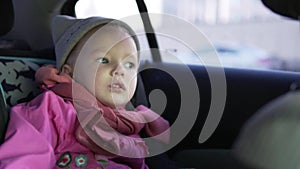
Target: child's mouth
<point>117,87</point>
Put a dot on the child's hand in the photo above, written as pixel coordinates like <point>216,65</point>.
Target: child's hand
<point>149,115</point>
<point>156,126</point>
<point>145,148</point>
<point>48,76</point>
<point>133,146</point>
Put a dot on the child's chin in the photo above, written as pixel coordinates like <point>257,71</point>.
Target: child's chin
<point>116,104</point>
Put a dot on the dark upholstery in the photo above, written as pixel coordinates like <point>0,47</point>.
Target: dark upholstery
<point>6,16</point>
<point>247,91</point>
<point>211,159</point>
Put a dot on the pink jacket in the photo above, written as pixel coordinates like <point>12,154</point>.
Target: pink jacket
<point>40,131</point>
<point>45,133</point>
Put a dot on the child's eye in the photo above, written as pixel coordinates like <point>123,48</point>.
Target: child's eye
<point>129,65</point>
<point>102,60</point>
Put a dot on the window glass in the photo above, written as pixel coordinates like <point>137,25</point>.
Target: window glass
<point>244,33</point>
<point>113,8</point>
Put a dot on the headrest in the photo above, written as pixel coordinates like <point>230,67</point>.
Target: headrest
<point>6,16</point>
<point>288,8</point>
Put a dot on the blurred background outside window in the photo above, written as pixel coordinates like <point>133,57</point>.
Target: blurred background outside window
<point>244,33</point>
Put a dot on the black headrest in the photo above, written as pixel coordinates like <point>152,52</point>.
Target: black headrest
<point>288,8</point>
<point>6,16</point>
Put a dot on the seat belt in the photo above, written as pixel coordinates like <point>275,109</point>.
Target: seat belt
<point>152,41</point>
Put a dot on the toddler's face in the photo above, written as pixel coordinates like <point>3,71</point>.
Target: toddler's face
<point>107,66</point>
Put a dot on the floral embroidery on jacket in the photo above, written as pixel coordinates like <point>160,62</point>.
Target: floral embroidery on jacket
<point>81,160</point>
<point>64,160</point>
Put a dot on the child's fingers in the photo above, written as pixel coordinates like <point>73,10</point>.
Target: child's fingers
<point>43,73</point>
<point>49,75</point>
<point>62,78</point>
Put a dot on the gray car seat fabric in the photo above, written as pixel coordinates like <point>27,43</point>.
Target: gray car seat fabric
<point>17,78</point>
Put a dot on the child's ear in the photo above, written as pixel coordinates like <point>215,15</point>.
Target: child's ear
<point>66,68</point>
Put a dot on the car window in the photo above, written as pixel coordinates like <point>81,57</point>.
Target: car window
<point>244,33</point>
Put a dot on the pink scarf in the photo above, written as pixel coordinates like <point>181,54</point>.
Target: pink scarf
<point>90,110</point>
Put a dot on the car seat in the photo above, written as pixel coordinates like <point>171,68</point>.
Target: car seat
<point>17,83</point>
<point>6,16</point>
<point>18,63</point>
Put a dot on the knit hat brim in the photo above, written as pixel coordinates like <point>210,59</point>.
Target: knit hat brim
<point>67,32</point>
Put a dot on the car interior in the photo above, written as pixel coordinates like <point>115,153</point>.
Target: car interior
<point>26,45</point>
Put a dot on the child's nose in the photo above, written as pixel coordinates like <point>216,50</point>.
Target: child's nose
<point>118,70</point>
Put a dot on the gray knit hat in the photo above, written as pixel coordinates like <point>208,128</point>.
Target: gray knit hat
<point>67,31</point>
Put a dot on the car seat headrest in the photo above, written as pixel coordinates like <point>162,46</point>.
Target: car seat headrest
<point>6,16</point>
<point>290,8</point>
